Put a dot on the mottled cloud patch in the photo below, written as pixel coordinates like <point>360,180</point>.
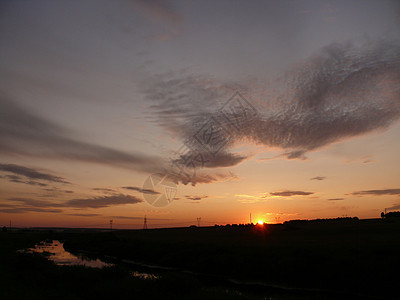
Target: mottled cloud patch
<point>290,193</point>
<point>377,192</point>
<point>343,91</point>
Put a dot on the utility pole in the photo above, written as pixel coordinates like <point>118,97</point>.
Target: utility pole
<point>111,221</point>
<point>145,223</point>
<point>198,222</point>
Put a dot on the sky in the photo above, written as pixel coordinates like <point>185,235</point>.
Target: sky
<point>179,110</point>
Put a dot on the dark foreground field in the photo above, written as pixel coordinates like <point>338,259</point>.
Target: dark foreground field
<point>314,260</point>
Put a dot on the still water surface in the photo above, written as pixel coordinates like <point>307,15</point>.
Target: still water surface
<point>55,251</point>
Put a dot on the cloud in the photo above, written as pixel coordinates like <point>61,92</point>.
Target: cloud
<point>101,202</point>
<point>84,215</point>
<point>29,135</point>
<point>140,190</point>
<point>318,178</point>
<point>377,192</point>
<point>394,207</point>
<point>28,204</point>
<point>202,178</point>
<point>105,190</point>
<point>195,198</point>
<point>30,174</point>
<point>18,179</point>
<point>137,218</point>
<point>291,193</point>
<point>343,91</point>
<point>35,202</point>
<point>20,210</point>
<point>297,154</point>
<point>335,199</point>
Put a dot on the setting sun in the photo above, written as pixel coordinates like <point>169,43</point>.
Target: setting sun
<point>260,222</point>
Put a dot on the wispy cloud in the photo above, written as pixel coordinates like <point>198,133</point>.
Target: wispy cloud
<point>30,204</point>
<point>26,134</point>
<point>377,192</point>
<point>291,193</point>
<point>196,198</point>
<point>101,202</point>
<point>335,199</point>
<point>141,190</point>
<point>84,215</point>
<point>29,173</point>
<point>318,178</point>
<point>20,210</point>
<point>138,218</point>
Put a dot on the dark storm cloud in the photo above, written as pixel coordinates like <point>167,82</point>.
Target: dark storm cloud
<point>25,134</point>
<point>318,178</point>
<point>28,173</point>
<point>377,192</point>
<point>101,202</point>
<point>344,90</point>
<point>140,190</point>
<point>291,193</point>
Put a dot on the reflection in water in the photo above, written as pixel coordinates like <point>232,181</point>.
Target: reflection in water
<point>144,275</point>
<point>55,251</point>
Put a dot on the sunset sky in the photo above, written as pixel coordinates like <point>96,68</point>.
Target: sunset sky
<point>96,96</point>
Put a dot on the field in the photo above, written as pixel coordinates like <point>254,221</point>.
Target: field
<point>298,260</point>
